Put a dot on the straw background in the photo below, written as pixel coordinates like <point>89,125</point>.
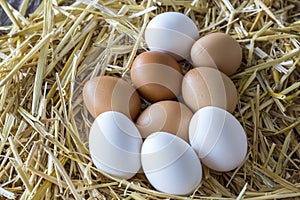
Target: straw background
<point>47,57</point>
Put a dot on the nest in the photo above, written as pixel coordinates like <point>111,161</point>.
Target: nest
<point>48,56</point>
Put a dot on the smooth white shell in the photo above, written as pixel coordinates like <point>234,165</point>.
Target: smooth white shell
<point>115,145</point>
<point>170,164</point>
<point>218,138</point>
<point>173,33</point>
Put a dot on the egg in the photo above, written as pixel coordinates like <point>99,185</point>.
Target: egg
<point>217,50</point>
<point>168,116</point>
<point>170,164</point>
<point>156,75</point>
<point>173,33</point>
<point>204,86</point>
<point>218,138</point>
<point>105,93</point>
<point>115,145</point>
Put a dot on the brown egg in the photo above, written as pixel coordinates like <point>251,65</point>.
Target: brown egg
<point>217,50</point>
<point>156,75</point>
<point>107,93</point>
<point>204,86</point>
<point>168,116</point>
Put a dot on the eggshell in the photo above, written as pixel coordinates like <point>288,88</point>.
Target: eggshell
<point>115,145</point>
<point>217,50</point>
<point>168,116</point>
<point>218,138</point>
<point>105,93</point>
<point>204,86</point>
<point>157,76</point>
<point>173,33</point>
<point>170,164</point>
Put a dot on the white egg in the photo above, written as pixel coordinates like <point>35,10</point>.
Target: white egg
<point>218,138</point>
<point>170,164</point>
<point>173,33</point>
<point>115,145</point>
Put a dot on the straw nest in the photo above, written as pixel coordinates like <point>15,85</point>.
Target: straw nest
<point>47,57</point>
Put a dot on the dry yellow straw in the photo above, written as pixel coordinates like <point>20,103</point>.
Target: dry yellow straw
<point>47,57</point>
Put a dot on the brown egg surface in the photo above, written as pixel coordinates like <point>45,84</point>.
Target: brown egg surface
<point>217,50</point>
<point>169,116</point>
<point>107,93</point>
<point>204,86</point>
<point>157,76</point>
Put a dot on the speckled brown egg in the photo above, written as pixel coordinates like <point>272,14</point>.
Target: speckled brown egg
<point>204,86</point>
<point>169,116</point>
<point>217,50</point>
<point>156,75</point>
<point>107,93</point>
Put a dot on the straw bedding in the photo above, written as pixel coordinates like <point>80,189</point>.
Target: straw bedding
<point>47,57</point>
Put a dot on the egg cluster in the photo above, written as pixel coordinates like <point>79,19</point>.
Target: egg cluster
<point>170,139</point>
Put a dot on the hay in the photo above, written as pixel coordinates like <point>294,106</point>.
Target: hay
<point>47,57</point>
